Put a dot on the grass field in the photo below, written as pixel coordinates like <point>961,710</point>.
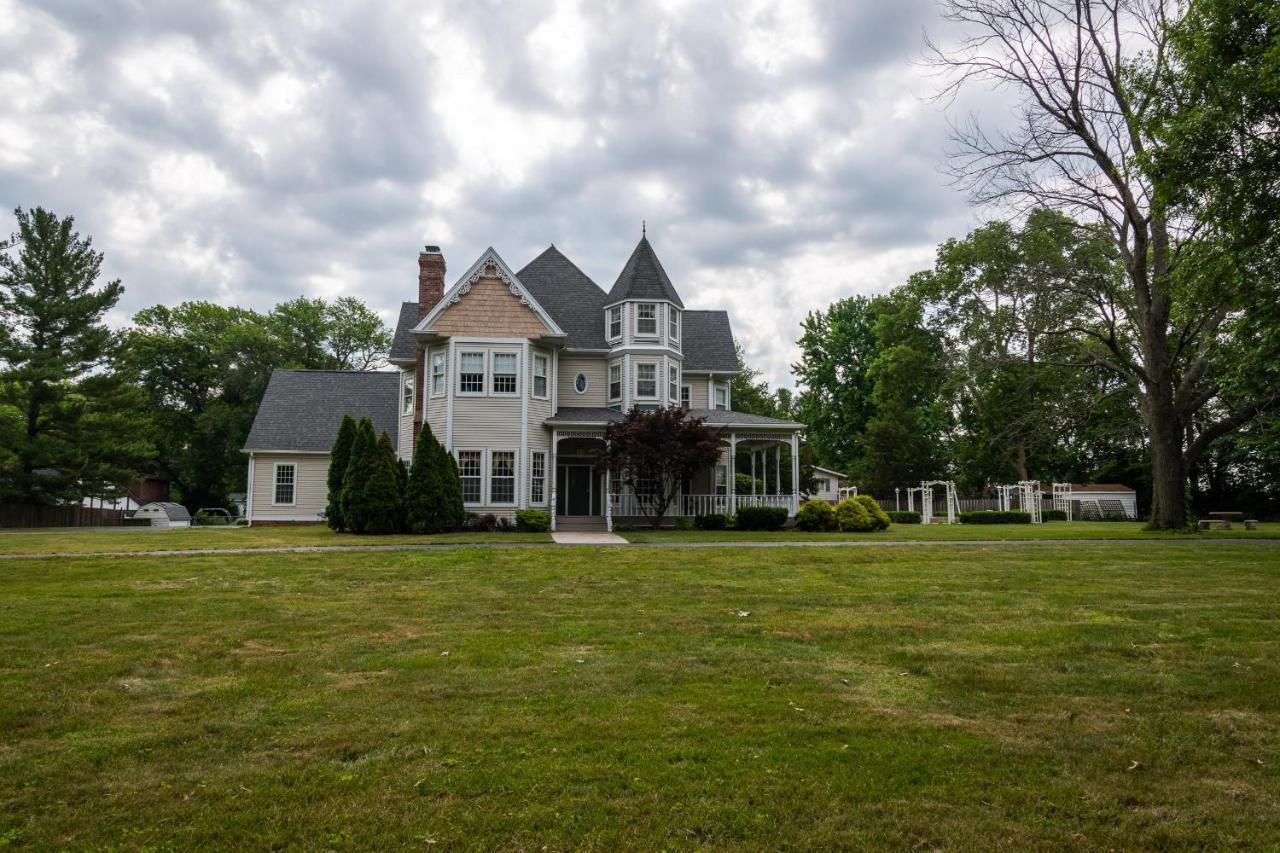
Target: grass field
<point>1104,695</point>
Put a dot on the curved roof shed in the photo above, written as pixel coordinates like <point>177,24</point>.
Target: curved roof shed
<point>165,514</point>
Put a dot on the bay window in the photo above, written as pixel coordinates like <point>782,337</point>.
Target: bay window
<point>470,470</point>
<point>646,380</point>
<point>471,373</point>
<point>502,477</point>
<point>647,319</point>
<point>540,376</point>
<point>615,322</point>
<point>504,373</point>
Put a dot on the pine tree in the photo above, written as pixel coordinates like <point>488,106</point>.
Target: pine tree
<point>339,459</point>
<point>355,482</point>
<point>423,498</point>
<point>397,478</point>
<point>452,511</point>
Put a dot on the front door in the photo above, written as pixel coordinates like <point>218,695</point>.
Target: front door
<point>575,496</point>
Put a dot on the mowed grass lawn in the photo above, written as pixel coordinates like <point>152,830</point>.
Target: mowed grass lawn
<point>1103,695</point>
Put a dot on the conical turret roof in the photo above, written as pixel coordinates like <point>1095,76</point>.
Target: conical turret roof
<point>644,278</point>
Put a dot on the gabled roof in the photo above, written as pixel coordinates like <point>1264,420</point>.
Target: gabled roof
<point>403,346</point>
<point>302,409</point>
<point>707,342</point>
<point>643,278</point>
<point>829,471</point>
<point>569,295</point>
<point>489,258</point>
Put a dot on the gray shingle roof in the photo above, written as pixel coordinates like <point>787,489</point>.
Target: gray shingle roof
<point>572,299</point>
<point>302,409</point>
<point>569,415</point>
<point>643,277</point>
<point>708,342</point>
<point>403,346</point>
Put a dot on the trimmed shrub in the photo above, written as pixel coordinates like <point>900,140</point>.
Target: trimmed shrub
<point>1053,515</point>
<point>816,515</point>
<point>853,517</point>
<point>425,494</point>
<point>370,496</point>
<point>995,516</point>
<point>761,517</point>
<point>684,522</point>
<point>475,523</point>
<point>339,459</point>
<point>533,520</point>
<point>903,516</point>
<point>879,519</point>
<point>715,521</point>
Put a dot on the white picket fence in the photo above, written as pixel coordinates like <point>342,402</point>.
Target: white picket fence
<point>694,505</point>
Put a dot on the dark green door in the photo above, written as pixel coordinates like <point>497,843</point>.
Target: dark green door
<point>575,495</point>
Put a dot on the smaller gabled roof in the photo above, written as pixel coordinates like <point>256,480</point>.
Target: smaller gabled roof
<point>403,346</point>
<point>644,278</point>
<point>569,295</point>
<point>829,471</point>
<point>489,258</point>
<point>707,343</point>
<point>302,409</point>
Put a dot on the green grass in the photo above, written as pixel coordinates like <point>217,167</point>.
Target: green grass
<point>957,532</point>
<point>901,698</point>
<point>294,536</point>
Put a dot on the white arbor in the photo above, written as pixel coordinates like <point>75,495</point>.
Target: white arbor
<point>1062,498</point>
<point>1029,496</point>
<point>928,495</point>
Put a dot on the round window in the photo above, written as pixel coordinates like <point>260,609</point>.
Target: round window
<point>580,383</point>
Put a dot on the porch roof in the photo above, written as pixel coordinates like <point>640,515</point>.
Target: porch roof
<point>589,415</point>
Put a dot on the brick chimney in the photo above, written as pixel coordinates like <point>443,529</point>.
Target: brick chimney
<point>430,291</point>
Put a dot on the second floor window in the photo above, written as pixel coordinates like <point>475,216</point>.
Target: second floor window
<point>615,322</point>
<point>673,382</point>
<point>722,397</point>
<point>615,382</point>
<point>539,376</point>
<point>437,374</point>
<point>685,394</point>
<point>502,477</point>
<point>406,396</point>
<point>646,380</point>
<point>504,373</point>
<point>647,319</point>
<point>471,373</point>
<point>469,468</point>
<point>673,324</point>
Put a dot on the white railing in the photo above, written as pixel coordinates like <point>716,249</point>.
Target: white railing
<point>693,505</point>
<point>706,505</point>
<point>783,501</point>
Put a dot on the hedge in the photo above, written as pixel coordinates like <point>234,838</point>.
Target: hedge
<point>879,519</point>
<point>533,520</point>
<point>761,517</point>
<point>1053,515</point>
<point>816,515</point>
<point>715,521</point>
<point>903,516</point>
<point>853,517</point>
<point>995,516</point>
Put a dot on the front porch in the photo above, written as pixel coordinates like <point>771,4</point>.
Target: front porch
<point>586,496</point>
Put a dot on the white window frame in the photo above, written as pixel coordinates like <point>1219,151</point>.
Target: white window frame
<point>586,382</point>
<point>721,390</point>
<point>440,377</point>
<point>636,377</point>
<point>488,487</point>
<point>275,484</point>
<point>686,397</point>
<point>545,377</point>
<point>656,327</point>
<point>484,372</point>
<point>673,383</point>
<point>406,393</point>
<point>483,476</point>
<point>613,398</point>
<point>538,482</point>
<point>673,324</point>
<point>720,480</point>
<point>494,355</point>
<point>609,322</point>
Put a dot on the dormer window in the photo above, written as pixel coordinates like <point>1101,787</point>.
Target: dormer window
<point>647,319</point>
<point>615,322</point>
<point>673,324</point>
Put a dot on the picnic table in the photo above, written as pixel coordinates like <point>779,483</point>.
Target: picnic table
<point>1223,520</point>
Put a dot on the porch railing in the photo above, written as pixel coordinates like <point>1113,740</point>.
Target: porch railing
<point>694,505</point>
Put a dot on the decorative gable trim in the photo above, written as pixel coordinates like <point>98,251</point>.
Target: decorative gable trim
<point>488,258</point>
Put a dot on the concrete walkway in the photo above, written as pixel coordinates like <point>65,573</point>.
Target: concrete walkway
<point>579,537</point>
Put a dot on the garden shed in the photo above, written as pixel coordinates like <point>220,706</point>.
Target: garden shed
<point>164,514</point>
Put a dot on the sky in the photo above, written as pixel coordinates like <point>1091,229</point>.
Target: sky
<point>783,155</point>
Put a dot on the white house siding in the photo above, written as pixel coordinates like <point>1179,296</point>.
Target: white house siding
<point>490,423</point>
<point>539,436</point>
<point>1128,499</point>
<point>404,438</point>
<point>593,367</point>
<point>697,390</point>
<point>311,490</point>
<point>436,409</point>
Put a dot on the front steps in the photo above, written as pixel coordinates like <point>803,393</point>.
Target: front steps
<point>580,523</point>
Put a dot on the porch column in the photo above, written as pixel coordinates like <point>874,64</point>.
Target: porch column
<point>732,496</point>
<point>777,469</point>
<point>753,472</point>
<point>608,501</point>
<point>555,445</point>
<point>795,473</point>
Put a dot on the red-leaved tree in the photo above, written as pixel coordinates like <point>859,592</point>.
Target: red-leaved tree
<point>653,453</point>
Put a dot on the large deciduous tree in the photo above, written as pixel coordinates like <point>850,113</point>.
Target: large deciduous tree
<point>654,453</point>
<point>1101,83</point>
<point>71,427</point>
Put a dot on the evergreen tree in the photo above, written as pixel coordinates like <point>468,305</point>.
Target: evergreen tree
<point>452,512</point>
<point>355,482</point>
<point>396,477</point>
<point>424,499</point>
<point>339,459</point>
<point>74,431</point>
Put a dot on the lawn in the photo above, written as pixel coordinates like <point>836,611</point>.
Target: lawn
<point>956,532</point>
<point>1103,695</point>
<point>295,536</point>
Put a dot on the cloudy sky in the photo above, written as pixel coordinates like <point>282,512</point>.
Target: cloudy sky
<point>783,154</point>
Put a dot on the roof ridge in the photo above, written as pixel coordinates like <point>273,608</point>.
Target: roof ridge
<point>568,260</point>
<point>325,370</point>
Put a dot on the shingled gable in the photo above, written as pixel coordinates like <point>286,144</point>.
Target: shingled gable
<point>472,278</point>
<point>643,278</point>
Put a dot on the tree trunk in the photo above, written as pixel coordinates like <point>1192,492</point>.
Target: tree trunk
<point>1168,478</point>
<point>1021,463</point>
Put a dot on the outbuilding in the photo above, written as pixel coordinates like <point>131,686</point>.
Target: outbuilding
<point>164,514</point>
<point>827,484</point>
<point>1104,499</point>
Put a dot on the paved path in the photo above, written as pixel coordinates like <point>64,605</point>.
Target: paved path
<point>579,537</point>
<point>452,546</point>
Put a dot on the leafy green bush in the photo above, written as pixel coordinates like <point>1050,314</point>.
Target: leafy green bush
<point>853,517</point>
<point>476,523</point>
<point>533,520</point>
<point>903,516</point>
<point>995,516</point>
<point>879,520</point>
<point>1053,515</point>
<point>816,515</point>
<point>716,521</point>
<point>684,522</point>
<point>761,517</point>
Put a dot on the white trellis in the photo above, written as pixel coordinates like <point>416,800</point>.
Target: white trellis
<point>1029,495</point>
<point>1005,496</point>
<point>847,492</point>
<point>928,497</point>
<point>911,498</point>
<point>1062,498</point>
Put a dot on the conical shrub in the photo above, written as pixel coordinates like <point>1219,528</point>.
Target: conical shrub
<point>339,459</point>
